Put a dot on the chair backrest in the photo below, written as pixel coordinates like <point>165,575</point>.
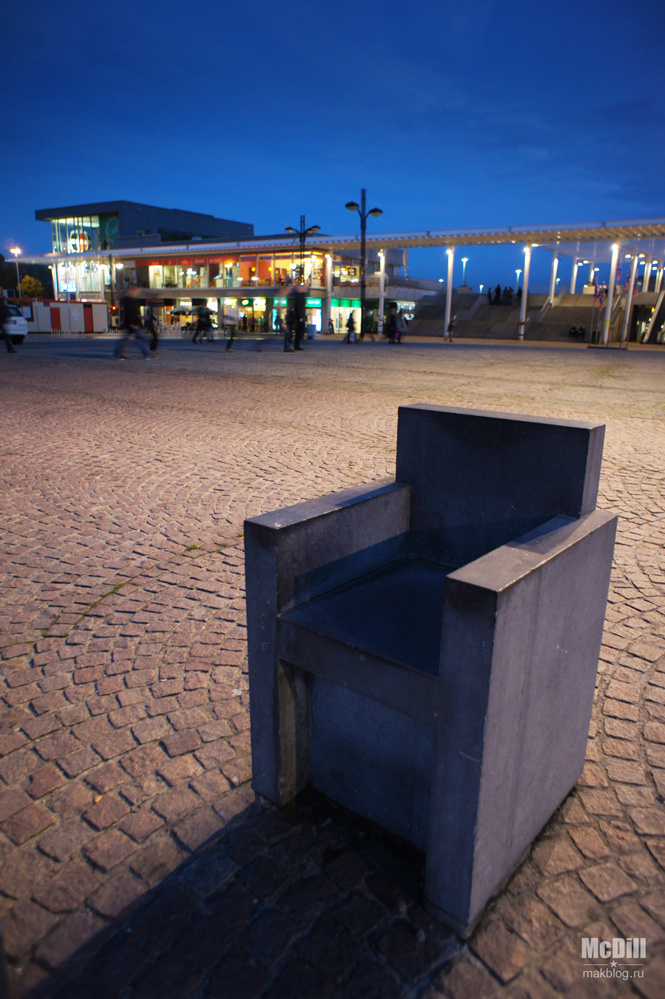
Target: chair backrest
<point>480,479</point>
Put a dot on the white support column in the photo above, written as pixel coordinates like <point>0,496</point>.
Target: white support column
<point>573,277</point>
<point>659,277</point>
<point>591,273</point>
<point>629,298</point>
<point>449,287</point>
<point>525,293</point>
<point>647,274</point>
<point>382,289</point>
<point>610,295</point>
<point>555,267</point>
<point>327,304</point>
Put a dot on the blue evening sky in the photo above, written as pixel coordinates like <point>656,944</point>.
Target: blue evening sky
<point>450,114</point>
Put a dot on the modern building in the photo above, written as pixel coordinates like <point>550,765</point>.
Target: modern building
<point>99,249</point>
<point>109,225</point>
<point>245,278</point>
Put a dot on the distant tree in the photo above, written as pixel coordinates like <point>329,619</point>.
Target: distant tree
<point>31,287</point>
<point>41,273</point>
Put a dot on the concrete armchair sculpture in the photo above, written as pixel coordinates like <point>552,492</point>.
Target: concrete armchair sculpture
<point>424,651</point>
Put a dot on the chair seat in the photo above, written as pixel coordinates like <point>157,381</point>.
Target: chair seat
<point>380,635</point>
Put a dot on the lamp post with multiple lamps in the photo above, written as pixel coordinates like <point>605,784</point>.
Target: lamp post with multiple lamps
<point>353,206</point>
<point>16,250</point>
<point>302,233</point>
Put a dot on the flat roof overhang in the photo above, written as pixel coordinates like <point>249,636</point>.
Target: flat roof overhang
<point>590,241</point>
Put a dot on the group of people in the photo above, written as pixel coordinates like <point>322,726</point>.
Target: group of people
<point>505,296</point>
<point>394,329</point>
<point>139,323</point>
<point>578,332</point>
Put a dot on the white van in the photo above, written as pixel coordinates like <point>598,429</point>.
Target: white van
<point>16,324</point>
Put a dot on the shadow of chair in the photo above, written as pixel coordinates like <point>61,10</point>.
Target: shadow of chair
<point>424,651</point>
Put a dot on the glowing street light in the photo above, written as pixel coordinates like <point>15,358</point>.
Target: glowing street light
<point>518,271</point>
<point>16,250</point>
<point>360,208</point>
<point>302,233</point>
<point>464,263</point>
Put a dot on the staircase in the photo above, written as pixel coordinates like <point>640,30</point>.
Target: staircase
<point>501,322</point>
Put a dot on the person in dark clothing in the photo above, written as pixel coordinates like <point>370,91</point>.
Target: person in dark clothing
<point>289,326</point>
<point>203,326</point>
<point>391,324</point>
<point>351,330</point>
<point>4,319</point>
<point>299,297</point>
<point>133,322</point>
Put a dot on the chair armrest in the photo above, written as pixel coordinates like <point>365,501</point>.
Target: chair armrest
<point>299,552</point>
<point>291,556</point>
<point>522,628</point>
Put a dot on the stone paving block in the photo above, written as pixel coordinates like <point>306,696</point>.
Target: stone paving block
<point>568,900</point>
<point>28,822</point>
<point>67,889</point>
<point>110,849</point>
<point>24,926</point>
<point>467,979</point>
<point>73,939</point>
<point>106,811</point>
<point>156,861</point>
<point>607,881</point>
<point>500,949</point>
<point>117,895</point>
<point>65,839</point>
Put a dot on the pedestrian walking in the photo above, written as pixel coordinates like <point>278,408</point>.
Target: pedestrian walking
<point>133,323</point>
<point>289,327</point>
<point>299,297</point>
<point>391,324</point>
<point>449,331</point>
<point>350,330</point>
<point>152,327</point>
<point>203,325</point>
<point>400,326</point>
<point>4,321</point>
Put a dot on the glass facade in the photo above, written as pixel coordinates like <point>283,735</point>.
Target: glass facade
<point>84,234</point>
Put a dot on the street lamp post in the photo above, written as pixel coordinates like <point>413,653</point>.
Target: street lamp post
<point>16,250</point>
<point>465,260</point>
<point>518,271</point>
<point>302,233</point>
<point>354,207</point>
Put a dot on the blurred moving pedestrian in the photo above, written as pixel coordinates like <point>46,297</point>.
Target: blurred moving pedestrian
<point>203,325</point>
<point>132,321</point>
<point>391,324</point>
<point>289,326</point>
<point>4,321</point>
<point>400,326</point>
<point>299,297</point>
<point>350,330</point>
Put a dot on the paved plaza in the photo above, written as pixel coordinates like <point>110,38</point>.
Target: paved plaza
<point>134,859</point>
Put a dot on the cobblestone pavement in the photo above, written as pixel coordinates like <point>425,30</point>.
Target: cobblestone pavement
<point>134,860</point>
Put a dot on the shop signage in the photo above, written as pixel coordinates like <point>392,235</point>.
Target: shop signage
<point>313,303</point>
<point>79,241</point>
